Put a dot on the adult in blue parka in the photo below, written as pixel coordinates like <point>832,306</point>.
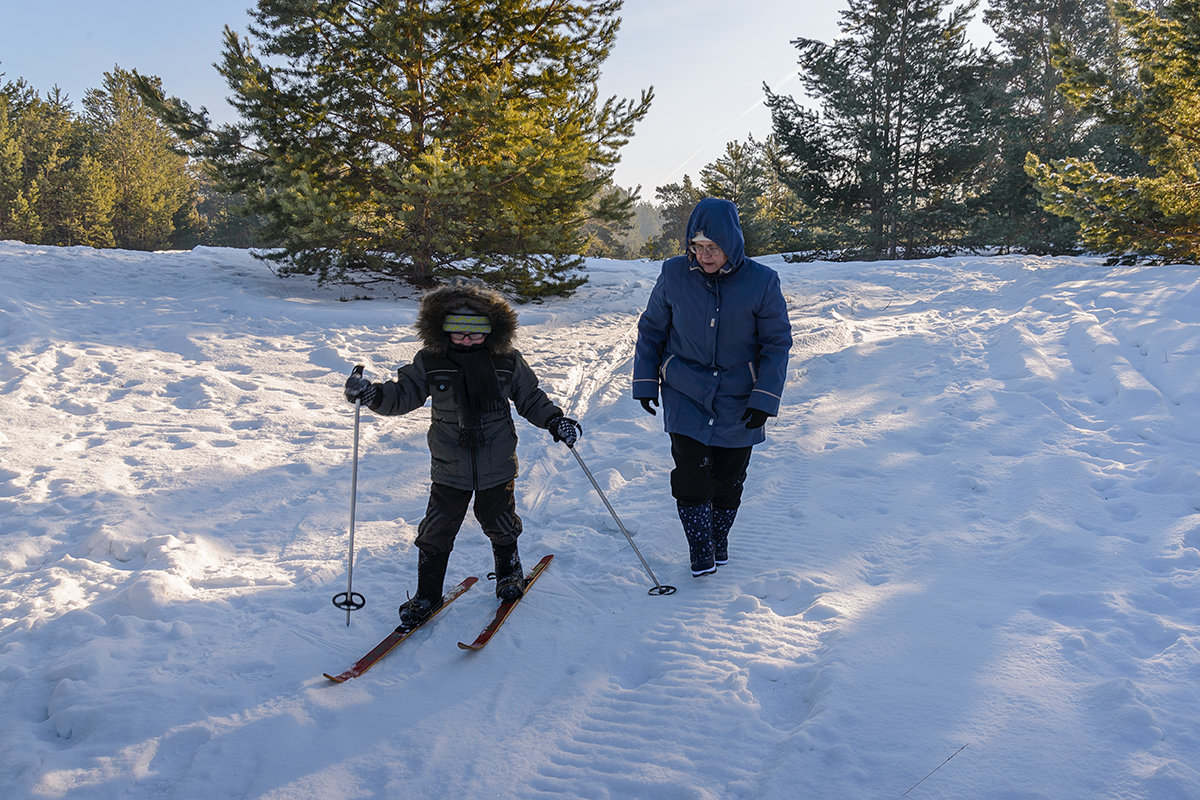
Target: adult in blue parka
<point>714,342</point>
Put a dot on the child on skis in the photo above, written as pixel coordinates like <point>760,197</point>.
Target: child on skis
<point>471,370</point>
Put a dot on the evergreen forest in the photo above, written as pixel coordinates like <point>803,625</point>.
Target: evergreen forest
<point>386,141</point>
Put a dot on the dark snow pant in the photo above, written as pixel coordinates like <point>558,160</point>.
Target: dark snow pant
<point>495,508</point>
<point>704,474</point>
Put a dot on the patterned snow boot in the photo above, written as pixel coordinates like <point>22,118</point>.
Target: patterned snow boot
<point>698,528</point>
<point>431,575</point>
<point>722,522</point>
<point>510,578</point>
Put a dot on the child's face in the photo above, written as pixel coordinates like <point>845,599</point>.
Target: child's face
<point>467,338</point>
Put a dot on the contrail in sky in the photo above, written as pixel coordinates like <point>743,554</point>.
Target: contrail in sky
<point>778,84</point>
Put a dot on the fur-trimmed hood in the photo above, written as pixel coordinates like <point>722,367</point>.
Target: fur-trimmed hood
<point>444,300</point>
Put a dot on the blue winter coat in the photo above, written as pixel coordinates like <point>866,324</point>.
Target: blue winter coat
<point>714,345</point>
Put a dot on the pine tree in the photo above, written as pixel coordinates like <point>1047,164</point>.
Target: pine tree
<point>772,217</point>
<point>397,140</point>
<point>1038,118</point>
<point>76,191</point>
<point>52,190</point>
<point>156,194</point>
<point>17,219</point>
<point>676,201</point>
<point>890,157</point>
<point>1154,96</point>
<point>607,234</point>
<point>741,176</point>
<point>793,227</point>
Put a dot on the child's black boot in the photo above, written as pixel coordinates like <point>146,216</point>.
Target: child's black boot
<point>510,578</point>
<point>431,575</point>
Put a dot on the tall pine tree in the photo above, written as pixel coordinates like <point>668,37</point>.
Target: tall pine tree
<point>742,176</point>
<point>18,195</point>
<point>53,188</point>
<point>889,158</point>
<point>77,191</point>
<point>1154,97</point>
<point>403,140</point>
<point>773,219</point>
<point>1039,119</point>
<point>675,201</point>
<point>156,195</point>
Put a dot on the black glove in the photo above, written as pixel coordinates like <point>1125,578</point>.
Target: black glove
<point>359,389</point>
<point>647,402</point>
<point>564,429</point>
<point>755,417</point>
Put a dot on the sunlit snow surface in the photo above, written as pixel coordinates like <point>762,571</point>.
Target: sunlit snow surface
<point>972,534</point>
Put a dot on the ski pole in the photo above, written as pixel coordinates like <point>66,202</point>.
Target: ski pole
<point>658,588</point>
<point>350,599</point>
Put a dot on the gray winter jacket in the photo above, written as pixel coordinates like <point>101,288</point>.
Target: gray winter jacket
<point>432,375</point>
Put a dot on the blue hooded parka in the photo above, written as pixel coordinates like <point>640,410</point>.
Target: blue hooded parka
<point>714,345</point>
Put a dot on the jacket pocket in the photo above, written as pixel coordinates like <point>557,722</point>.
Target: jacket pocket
<point>690,380</point>
<point>440,385</point>
<point>662,370</point>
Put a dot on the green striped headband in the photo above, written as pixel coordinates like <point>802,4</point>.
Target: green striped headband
<point>466,323</point>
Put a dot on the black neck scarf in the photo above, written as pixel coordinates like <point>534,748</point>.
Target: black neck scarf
<point>476,390</point>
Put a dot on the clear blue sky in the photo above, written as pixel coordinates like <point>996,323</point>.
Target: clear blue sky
<point>706,59</point>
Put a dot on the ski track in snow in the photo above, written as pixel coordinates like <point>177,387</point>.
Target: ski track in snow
<point>976,522</point>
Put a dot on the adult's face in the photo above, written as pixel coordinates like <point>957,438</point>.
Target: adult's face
<point>709,256</point>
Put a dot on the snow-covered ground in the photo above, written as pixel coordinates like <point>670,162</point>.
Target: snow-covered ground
<point>968,564</point>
